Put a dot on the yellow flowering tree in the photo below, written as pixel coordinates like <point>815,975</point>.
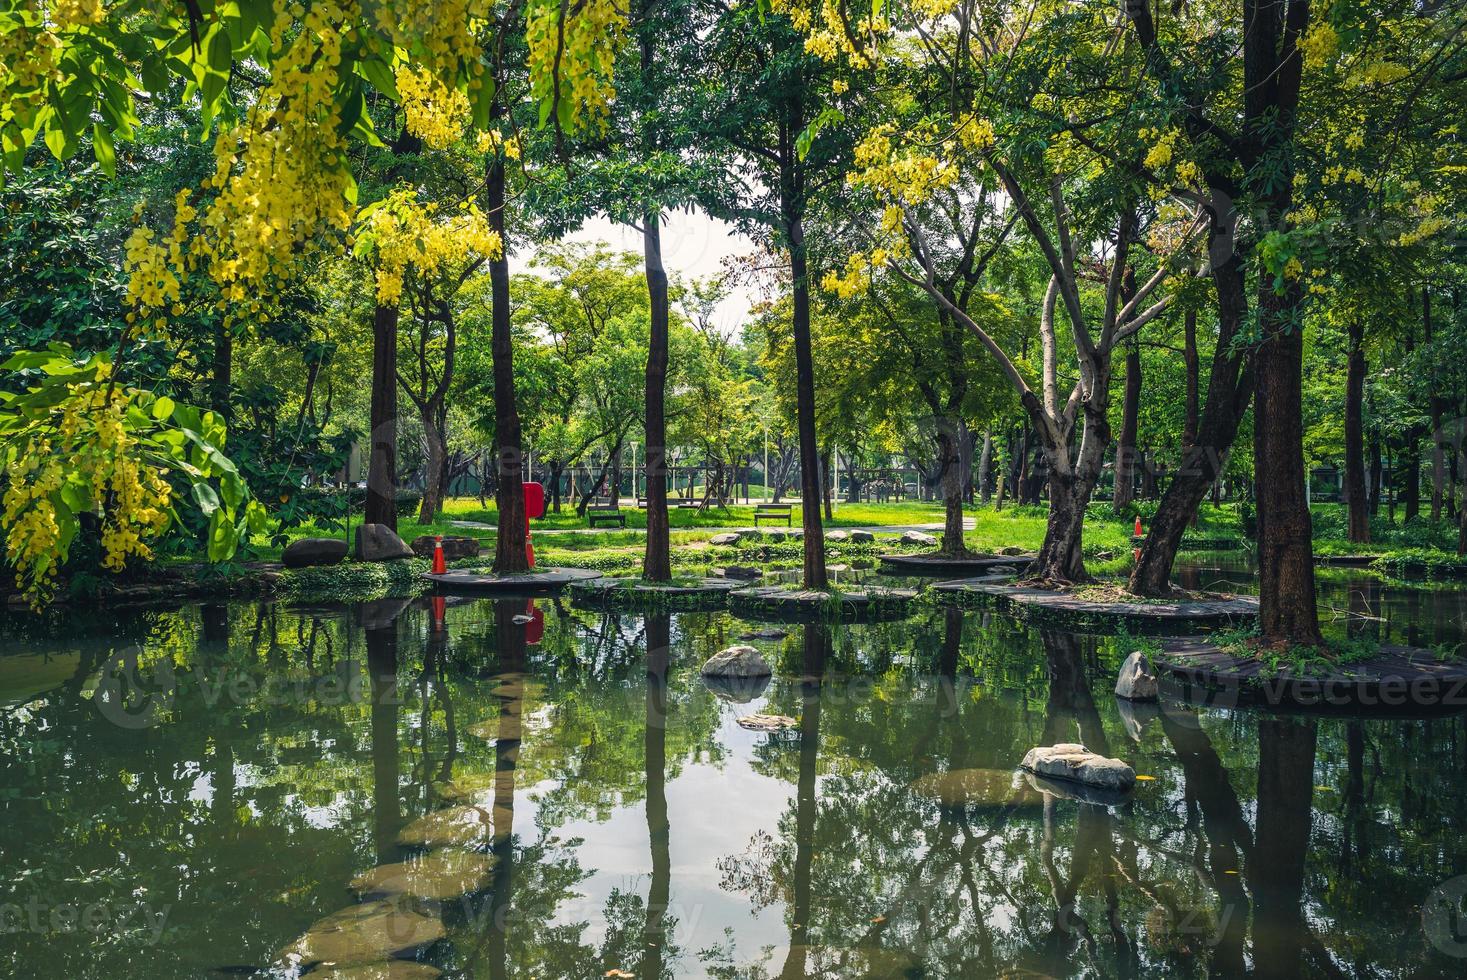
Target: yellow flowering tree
<point>82,451</point>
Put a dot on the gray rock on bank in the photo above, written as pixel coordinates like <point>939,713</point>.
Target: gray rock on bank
<point>918,537</point>
<point>1072,761</point>
<point>378,542</point>
<point>1137,681</point>
<point>454,547</point>
<point>313,551</point>
<point>737,661</point>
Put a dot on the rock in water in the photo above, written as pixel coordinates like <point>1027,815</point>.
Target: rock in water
<point>378,542</point>
<point>736,661</point>
<point>727,537</point>
<point>917,537</point>
<point>313,551</point>
<point>864,537</point>
<point>460,826</point>
<point>1137,681</point>
<point>439,875</point>
<point>1072,761</point>
<point>454,547</point>
<point>362,934</point>
<point>745,573</point>
<point>767,723</point>
<point>978,788</point>
<point>385,970</point>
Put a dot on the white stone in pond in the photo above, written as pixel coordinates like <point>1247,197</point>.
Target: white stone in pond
<point>917,537</point>
<point>1070,760</point>
<point>863,536</point>
<point>1137,681</point>
<point>727,537</point>
<point>737,661</point>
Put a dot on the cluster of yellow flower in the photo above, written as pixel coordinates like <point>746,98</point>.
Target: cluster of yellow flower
<point>83,459</point>
<point>407,237</point>
<point>71,14</point>
<point>436,113</point>
<point>832,37</point>
<point>493,140</point>
<point>1320,43</point>
<point>908,176</point>
<point>571,56</point>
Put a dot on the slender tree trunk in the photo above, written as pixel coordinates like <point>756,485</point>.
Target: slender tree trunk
<point>219,399</point>
<point>1229,388</point>
<point>1287,612</point>
<point>1125,467</point>
<point>985,468</point>
<point>436,458</point>
<point>1359,515</point>
<point>382,463</point>
<point>825,484</point>
<point>1377,470</point>
<point>509,552</point>
<point>657,561</point>
<point>1190,359</point>
<point>810,482</point>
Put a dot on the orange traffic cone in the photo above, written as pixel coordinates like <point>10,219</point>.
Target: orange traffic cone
<point>1138,525</point>
<point>439,566</point>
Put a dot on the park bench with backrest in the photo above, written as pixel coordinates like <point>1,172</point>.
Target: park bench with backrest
<point>606,512</point>
<point>772,513</point>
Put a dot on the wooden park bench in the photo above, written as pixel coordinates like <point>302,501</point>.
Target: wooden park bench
<point>605,512</point>
<point>681,503</point>
<point>772,513</point>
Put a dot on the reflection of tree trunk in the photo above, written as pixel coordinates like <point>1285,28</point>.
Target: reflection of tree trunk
<point>1070,700</point>
<point>1276,870</point>
<point>509,638</point>
<point>382,675</point>
<point>817,649</point>
<point>654,755</point>
<point>1228,836</point>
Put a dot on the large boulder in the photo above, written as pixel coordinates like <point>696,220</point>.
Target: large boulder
<point>454,547</point>
<point>736,661</point>
<point>862,537</point>
<point>313,551</point>
<point>378,542</point>
<point>1072,761</point>
<point>837,535</point>
<point>727,537</point>
<point>1137,681</point>
<point>917,537</point>
<point>746,573</point>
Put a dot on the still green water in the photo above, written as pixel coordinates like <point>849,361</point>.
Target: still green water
<point>185,793</point>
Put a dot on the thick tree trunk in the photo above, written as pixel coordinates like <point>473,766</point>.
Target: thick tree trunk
<point>1359,515</point>
<point>1287,612</point>
<point>381,505</point>
<point>1125,467</point>
<point>954,477</point>
<point>1059,558</point>
<point>1286,750</point>
<point>509,552</point>
<point>825,484</point>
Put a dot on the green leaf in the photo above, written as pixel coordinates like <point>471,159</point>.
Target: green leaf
<point>162,408</point>
<point>103,150</point>
<point>205,497</point>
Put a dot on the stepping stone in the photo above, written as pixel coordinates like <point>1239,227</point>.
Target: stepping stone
<point>437,875</point>
<point>363,934</point>
<point>1074,762</point>
<point>862,537</point>
<point>386,970</point>
<point>1137,681</point>
<point>461,826</point>
<point>980,788</point>
<point>767,723</point>
<point>726,538</point>
<point>736,661</point>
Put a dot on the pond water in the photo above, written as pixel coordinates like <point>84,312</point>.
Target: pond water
<point>185,793</point>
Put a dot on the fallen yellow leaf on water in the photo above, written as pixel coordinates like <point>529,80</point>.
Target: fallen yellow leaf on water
<point>619,974</point>
<point>1230,872</point>
<point>878,918</point>
<point>1325,789</point>
<point>1145,779</point>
